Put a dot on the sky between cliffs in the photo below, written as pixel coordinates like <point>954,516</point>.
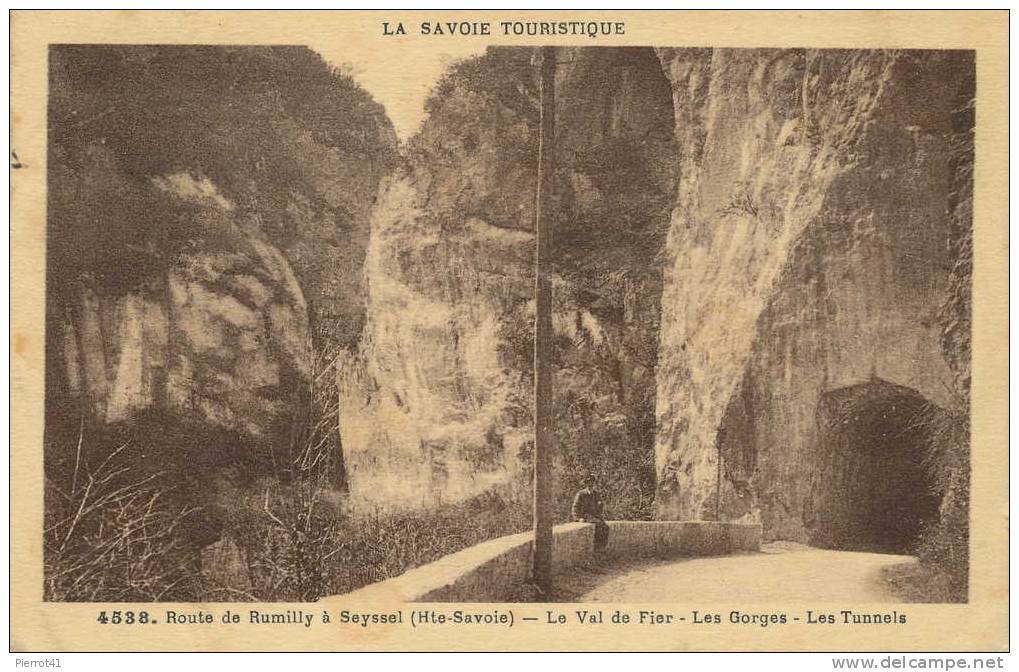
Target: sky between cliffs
<point>399,78</point>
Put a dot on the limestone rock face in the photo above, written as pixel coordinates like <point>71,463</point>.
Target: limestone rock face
<point>436,406</point>
<point>207,226</point>
<point>815,228</point>
<point>220,337</point>
<point>427,410</point>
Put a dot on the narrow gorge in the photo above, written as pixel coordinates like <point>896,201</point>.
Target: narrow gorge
<point>324,334</point>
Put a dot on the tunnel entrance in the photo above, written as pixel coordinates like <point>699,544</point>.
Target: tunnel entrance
<point>871,490</point>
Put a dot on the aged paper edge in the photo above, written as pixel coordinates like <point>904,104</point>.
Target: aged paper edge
<point>979,625</point>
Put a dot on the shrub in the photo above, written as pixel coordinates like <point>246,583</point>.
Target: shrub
<point>112,535</point>
<point>303,544</point>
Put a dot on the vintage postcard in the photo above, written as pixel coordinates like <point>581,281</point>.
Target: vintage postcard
<point>509,331</point>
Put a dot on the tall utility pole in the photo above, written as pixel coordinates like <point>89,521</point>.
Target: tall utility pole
<point>543,441</point>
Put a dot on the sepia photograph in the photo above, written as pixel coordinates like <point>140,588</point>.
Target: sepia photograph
<point>458,330</point>
<point>291,353</point>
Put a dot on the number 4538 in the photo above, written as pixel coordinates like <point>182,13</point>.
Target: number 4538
<point>125,617</point>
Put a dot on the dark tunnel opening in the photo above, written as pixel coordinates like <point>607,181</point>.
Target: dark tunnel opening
<point>872,490</point>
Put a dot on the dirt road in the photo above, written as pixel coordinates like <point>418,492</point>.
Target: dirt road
<point>781,572</point>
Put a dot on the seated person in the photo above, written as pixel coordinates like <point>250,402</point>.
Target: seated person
<point>587,508</point>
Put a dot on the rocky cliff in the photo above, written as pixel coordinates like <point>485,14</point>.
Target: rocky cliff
<point>222,334</point>
<point>815,228</point>
<point>436,407</point>
<point>208,218</point>
<point>818,206</point>
<point>761,275</point>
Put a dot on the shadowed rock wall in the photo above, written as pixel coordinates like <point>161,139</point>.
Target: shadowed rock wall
<point>207,222</point>
<point>814,233</point>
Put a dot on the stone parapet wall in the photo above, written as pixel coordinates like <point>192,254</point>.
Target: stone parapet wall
<point>668,538</point>
<point>498,570</point>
